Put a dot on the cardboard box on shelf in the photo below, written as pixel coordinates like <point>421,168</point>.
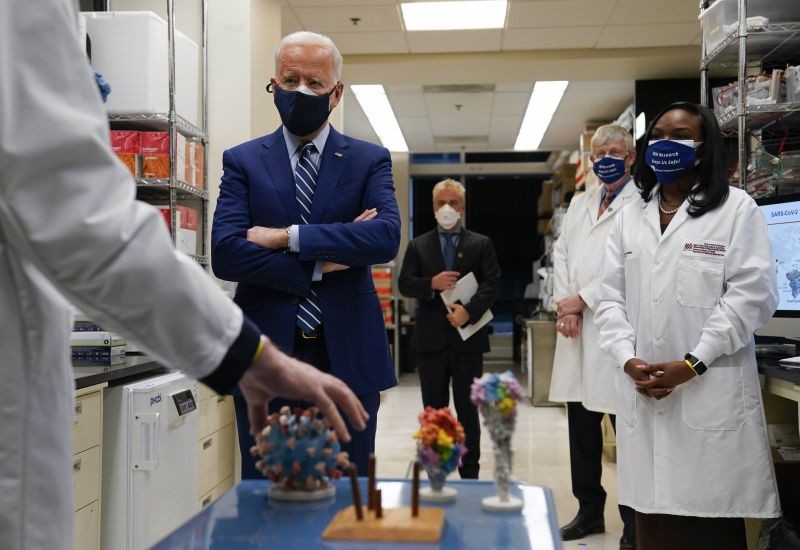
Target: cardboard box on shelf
<point>155,154</point>
<point>187,227</point>
<point>127,145</point>
<point>546,199</point>
<point>198,163</point>
<point>543,226</point>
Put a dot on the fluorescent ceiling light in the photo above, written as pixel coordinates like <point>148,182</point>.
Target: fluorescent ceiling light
<point>544,101</point>
<point>450,16</point>
<point>640,125</point>
<point>375,104</point>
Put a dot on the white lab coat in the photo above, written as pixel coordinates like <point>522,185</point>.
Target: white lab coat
<point>70,228</point>
<point>581,370</point>
<point>702,287</point>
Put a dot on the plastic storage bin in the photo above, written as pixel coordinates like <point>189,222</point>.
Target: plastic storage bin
<point>722,18</point>
<point>130,49</point>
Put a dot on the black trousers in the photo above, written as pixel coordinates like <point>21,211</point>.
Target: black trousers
<point>361,445</point>
<point>436,369</point>
<point>586,468</point>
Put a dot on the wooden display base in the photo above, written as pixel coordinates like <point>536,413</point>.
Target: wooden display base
<point>396,525</point>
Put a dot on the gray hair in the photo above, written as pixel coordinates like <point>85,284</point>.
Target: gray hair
<point>311,38</point>
<point>449,184</point>
<point>611,132</point>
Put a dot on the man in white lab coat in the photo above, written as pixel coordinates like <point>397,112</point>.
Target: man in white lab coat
<point>582,372</point>
<point>71,230</point>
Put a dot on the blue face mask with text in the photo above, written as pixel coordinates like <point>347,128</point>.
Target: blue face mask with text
<point>302,111</point>
<point>609,169</point>
<point>669,159</point>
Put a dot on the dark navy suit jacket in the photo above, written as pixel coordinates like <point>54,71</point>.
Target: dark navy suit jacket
<point>258,188</point>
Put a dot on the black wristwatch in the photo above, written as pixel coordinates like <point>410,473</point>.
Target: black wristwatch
<point>695,364</point>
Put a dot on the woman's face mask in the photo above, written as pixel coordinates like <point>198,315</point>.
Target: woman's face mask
<point>447,216</point>
<point>669,159</point>
<point>302,111</point>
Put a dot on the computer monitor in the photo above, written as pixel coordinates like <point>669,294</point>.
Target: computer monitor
<point>782,214</point>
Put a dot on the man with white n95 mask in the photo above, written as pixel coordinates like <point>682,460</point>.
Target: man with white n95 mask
<point>70,229</point>
<point>582,373</point>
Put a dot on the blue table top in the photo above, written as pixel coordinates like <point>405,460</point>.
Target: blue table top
<point>245,519</point>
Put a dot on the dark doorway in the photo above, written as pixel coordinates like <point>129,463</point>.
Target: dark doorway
<point>504,208</point>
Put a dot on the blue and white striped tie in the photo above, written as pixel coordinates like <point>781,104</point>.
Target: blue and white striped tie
<point>309,315</point>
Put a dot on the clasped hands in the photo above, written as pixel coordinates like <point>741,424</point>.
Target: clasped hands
<point>657,379</point>
<point>570,316</point>
<point>277,238</point>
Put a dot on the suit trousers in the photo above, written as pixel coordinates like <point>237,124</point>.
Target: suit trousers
<point>360,446</point>
<point>586,468</point>
<point>668,532</point>
<point>436,369</point>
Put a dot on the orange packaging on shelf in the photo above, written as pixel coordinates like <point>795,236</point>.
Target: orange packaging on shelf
<point>187,217</point>
<point>199,164</point>
<point>155,154</point>
<point>127,145</point>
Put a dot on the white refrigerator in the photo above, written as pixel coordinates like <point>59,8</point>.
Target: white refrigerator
<point>150,434</point>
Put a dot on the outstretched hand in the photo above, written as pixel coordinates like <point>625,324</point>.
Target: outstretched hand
<point>276,374</point>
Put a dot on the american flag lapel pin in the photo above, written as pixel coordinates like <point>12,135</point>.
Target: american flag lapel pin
<point>338,154</point>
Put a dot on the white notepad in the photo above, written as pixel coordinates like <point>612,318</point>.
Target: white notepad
<point>465,289</point>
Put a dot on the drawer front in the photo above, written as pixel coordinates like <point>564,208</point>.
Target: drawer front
<point>87,426</point>
<point>202,418</point>
<point>204,392</point>
<point>220,412</point>
<point>86,477</point>
<point>215,462</point>
<point>87,527</point>
<point>216,492</point>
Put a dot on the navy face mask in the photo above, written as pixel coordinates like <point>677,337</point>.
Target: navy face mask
<point>302,111</point>
<point>609,169</point>
<point>669,159</point>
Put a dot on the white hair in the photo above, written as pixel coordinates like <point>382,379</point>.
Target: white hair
<point>449,184</point>
<point>611,132</point>
<point>311,38</point>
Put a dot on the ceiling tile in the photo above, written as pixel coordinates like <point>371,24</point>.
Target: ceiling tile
<point>393,89</point>
<point>454,41</point>
<point>414,126</point>
<point>289,23</point>
<point>444,105</point>
<point>503,131</point>
<point>510,104</point>
<point>655,11</point>
<point>460,126</point>
<point>600,86</point>
<point>418,142</point>
<point>408,105</point>
<point>648,36</point>
<point>337,19</point>
<point>554,38</point>
<point>369,42</point>
<point>327,3</point>
<point>559,13</point>
<point>513,87</point>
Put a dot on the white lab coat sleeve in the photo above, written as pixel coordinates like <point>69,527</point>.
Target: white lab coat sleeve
<point>561,288</point>
<point>751,290</point>
<point>590,294</point>
<point>615,333</point>
<point>67,204</point>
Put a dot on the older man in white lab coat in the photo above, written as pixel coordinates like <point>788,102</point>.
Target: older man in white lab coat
<point>70,228</point>
<point>582,372</point>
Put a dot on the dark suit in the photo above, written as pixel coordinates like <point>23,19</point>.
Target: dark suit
<point>441,353</point>
<point>258,188</point>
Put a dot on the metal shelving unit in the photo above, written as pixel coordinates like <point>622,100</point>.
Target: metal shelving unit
<point>172,189</point>
<point>751,46</point>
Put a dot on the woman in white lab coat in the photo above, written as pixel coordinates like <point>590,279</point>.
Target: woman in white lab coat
<point>687,280</point>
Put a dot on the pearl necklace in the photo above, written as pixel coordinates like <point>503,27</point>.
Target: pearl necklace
<point>667,212</point>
